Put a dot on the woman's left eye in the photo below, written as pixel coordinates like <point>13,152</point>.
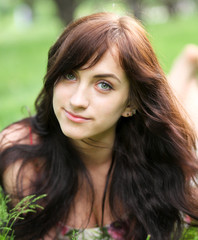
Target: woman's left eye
<point>104,86</point>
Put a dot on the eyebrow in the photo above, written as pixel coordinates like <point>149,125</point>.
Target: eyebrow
<point>107,75</point>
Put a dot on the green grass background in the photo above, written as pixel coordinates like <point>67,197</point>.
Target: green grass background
<point>23,56</point>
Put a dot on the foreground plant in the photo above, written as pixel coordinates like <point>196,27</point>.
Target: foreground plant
<point>29,204</point>
<point>8,218</point>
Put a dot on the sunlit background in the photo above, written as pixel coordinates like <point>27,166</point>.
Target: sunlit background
<point>29,27</point>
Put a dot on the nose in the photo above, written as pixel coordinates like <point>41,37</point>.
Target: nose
<point>79,98</point>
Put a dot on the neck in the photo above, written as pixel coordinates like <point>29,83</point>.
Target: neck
<point>95,153</point>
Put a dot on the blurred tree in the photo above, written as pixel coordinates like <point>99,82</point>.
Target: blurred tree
<point>137,7</point>
<point>30,5</point>
<point>171,6</point>
<point>66,9</point>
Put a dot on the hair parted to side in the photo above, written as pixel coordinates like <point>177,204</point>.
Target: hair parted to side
<point>154,159</point>
<point>86,40</point>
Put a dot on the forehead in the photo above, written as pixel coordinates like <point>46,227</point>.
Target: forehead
<point>109,63</point>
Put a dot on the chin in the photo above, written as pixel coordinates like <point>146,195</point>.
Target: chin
<point>74,136</point>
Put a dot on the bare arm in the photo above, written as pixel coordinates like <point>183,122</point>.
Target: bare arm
<point>15,134</point>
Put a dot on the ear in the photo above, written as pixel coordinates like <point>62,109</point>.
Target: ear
<point>129,111</point>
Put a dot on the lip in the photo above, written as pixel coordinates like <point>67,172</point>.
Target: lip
<point>76,118</point>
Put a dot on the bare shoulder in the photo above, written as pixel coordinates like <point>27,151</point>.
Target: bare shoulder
<point>17,133</point>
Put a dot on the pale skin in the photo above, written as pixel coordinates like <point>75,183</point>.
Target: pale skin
<point>87,94</point>
<point>99,93</point>
<point>87,103</point>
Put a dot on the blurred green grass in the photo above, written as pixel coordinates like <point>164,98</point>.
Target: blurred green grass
<point>168,39</point>
<point>23,58</point>
<point>23,64</point>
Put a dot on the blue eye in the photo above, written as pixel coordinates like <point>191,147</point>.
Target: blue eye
<point>104,86</point>
<point>70,76</point>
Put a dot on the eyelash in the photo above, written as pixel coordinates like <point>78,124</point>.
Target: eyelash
<point>65,76</point>
<point>107,84</point>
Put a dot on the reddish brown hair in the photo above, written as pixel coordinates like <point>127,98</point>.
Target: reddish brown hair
<point>154,159</point>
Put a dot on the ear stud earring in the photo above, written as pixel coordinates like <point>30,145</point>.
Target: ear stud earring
<point>130,114</point>
<point>133,111</point>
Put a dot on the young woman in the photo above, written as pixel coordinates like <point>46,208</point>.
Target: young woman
<point>107,144</point>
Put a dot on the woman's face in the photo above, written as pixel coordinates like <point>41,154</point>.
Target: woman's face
<point>89,102</point>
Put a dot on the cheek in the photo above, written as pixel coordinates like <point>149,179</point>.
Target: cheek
<point>112,109</point>
<point>54,100</point>
<point>59,95</point>
<point>57,100</point>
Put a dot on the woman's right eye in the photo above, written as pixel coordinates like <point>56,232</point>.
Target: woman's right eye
<point>69,76</point>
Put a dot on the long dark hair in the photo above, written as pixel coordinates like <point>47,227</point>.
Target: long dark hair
<point>153,154</point>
